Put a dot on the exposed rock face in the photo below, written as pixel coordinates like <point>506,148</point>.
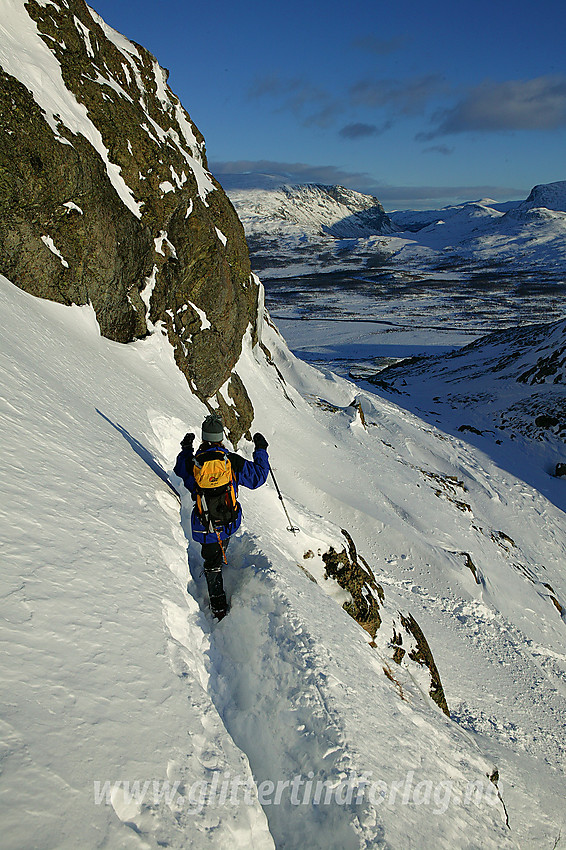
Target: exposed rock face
<point>105,197</point>
<point>358,579</point>
<point>354,575</point>
<point>422,655</point>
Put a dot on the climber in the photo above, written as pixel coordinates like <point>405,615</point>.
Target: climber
<point>212,475</point>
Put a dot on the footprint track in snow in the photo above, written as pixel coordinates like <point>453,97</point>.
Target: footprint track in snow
<point>274,700</point>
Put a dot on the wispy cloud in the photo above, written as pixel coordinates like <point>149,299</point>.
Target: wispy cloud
<point>269,173</point>
<point>442,149</point>
<point>388,99</point>
<point>379,46</point>
<point>419,196</point>
<point>537,104</point>
<point>310,104</point>
<point>360,130</point>
<point>406,96</point>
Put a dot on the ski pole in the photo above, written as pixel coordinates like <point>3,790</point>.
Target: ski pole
<point>292,528</point>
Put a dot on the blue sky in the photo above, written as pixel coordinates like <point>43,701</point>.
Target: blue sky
<point>421,104</point>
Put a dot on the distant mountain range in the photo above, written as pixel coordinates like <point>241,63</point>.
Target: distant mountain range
<point>313,208</point>
<point>297,230</point>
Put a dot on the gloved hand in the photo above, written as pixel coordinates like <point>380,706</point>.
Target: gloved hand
<point>259,441</point>
<point>187,441</point>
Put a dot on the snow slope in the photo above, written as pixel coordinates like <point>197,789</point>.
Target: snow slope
<point>114,672</point>
<point>506,391</point>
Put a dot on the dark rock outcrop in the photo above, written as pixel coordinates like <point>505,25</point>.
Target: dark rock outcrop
<point>352,572</point>
<point>358,579</point>
<point>112,204</point>
<point>422,655</point>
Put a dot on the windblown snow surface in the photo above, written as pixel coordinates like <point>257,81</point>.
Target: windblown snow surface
<point>132,720</point>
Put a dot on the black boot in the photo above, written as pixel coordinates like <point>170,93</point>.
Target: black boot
<point>219,608</point>
<point>213,560</point>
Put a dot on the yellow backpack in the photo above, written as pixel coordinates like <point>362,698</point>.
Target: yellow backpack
<point>216,496</point>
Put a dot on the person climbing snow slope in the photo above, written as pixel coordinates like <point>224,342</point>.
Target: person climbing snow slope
<point>212,475</point>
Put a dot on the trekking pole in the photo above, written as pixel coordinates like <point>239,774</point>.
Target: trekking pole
<point>292,528</point>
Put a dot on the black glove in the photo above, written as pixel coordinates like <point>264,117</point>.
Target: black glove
<point>187,441</point>
<point>260,441</point>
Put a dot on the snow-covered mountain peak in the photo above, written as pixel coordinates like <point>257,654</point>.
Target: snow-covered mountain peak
<point>463,218</point>
<point>316,208</point>
<point>552,196</point>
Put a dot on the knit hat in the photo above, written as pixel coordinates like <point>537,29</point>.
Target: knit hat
<point>212,429</point>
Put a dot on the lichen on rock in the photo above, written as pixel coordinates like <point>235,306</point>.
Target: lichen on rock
<point>422,655</point>
<point>353,574</point>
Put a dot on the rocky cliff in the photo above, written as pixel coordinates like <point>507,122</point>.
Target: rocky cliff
<point>106,198</point>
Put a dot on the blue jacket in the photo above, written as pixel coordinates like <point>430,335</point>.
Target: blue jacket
<point>251,474</point>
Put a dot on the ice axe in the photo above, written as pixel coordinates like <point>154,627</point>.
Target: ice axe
<point>292,528</point>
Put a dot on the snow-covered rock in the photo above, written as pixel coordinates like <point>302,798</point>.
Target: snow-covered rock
<point>108,164</point>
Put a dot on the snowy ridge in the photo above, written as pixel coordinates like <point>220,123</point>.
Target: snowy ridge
<point>510,384</point>
<point>316,209</point>
<point>453,220</point>
<point>122,667</point>
<point>483,234</point>
<point>551,196</point>
<point>523,235</point>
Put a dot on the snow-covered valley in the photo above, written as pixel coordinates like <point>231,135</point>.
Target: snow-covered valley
<point>115,674</point>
